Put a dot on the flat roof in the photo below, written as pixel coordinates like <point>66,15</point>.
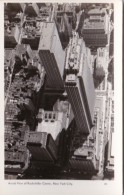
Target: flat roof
<point>37,137</point>
<point>14,156</point>
<point>97,11</point>
<point>81,152</point>
<point>22,48</point>
<point>53,128</point>
<point>89,24</point>
<point>46,36</point>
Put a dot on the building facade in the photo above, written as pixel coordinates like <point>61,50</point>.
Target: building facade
<point>79,84</point>
<point>42,146</point>
<point>52,55</point>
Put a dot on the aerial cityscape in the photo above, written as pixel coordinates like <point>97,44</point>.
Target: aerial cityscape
<point>59,91</point>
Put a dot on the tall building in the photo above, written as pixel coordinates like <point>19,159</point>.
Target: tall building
<point>96,28</point>
<point>83,159</point>
<point>42,146</point>
<point>52,55</point>
<point>79,84</point>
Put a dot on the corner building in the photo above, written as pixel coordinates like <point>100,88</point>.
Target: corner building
<point>79,84</point>
<point>52,55</point>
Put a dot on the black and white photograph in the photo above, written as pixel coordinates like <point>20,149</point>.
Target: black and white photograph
<point>59,91</point>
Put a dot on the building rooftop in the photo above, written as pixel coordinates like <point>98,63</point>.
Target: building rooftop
<point>11,31</point>
<point>81,152</point>
<point>47,36</point>
<point>17,157</point>
<point>98,103</point>
<point>98,11</point>
<point>22,49</point>
<point>45,13</point>
<point>93,25</point>
<point>97,22</point>
<point>32,29</point>
<point>50,42</point>
<point>77,67</point>
<point>52,123</point>
<point>37,137</point>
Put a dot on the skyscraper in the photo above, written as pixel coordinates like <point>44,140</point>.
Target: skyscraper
<point>52,55</point>
<point>79,84</point>
<point>42,146</point>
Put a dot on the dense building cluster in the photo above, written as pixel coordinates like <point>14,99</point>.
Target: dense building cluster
<point>59,102</point>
